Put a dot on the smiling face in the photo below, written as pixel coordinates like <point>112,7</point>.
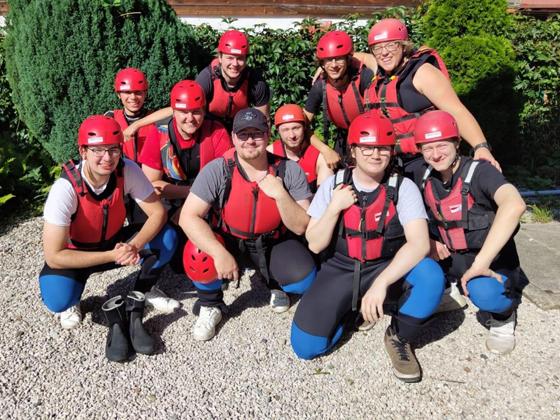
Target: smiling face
<point>440,154</point>
<point>188,122</point>
<point>388,55</point>
<point>232,66</point>
<point>250,143</point>
<point>371,160</point>
<point>101,161</point>
<point>335,67</point>
<point>132,101</point>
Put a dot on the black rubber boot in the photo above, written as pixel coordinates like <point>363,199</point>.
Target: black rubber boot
<point>141,341</point>
<point>118,347</point>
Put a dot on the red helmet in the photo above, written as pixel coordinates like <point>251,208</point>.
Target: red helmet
<point>198,265</point>
<point>233,42</point>
<point>187,95</point>
<point>130,79</point>
<point>99,129</point>
<point>435,126</point>
<point>289,113</point>
<point>334,44</point>
<point>387,30</point>
<point>371,129</point>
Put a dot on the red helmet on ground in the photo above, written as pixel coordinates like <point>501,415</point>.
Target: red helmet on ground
<point>99,129</point>
<point>289,113</point>
<point>233,42</point>
<point>334,44</point>
<point>198,265</point>
<point>371,129</point>
<point>387,30</point>
<point>130,79</point>
<point>435,126</point>
<point>187,95</point>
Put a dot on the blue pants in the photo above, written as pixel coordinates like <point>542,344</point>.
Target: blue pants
<point>487,293</point>
<point>318,322</point>
<point>63,288</point>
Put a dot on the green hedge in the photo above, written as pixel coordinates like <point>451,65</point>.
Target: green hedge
<point>60,70</point>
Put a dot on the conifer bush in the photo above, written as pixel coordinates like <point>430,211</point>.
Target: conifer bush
<point>62,57</point>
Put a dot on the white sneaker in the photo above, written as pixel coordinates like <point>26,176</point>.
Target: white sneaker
<point>205,327</point>
<point>452,299</point>
<point>279,301</point>
<point>160,301</point>
<point>501,338</point>
<point>70,318</point>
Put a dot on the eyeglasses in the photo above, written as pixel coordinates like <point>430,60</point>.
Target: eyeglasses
<point>389,46</point>
<point>331,60</point>
<point>255,135</point>
<point>100,151</point>
<point>368,150</point>
<point>429,149</point>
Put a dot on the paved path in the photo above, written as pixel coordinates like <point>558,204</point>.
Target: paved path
<point>539,250</point>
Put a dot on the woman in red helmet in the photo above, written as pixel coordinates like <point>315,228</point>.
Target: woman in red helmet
<point>375,224</point>
<point>228,83</point>
<point>474,213</point>
<point>83,232</point>
<point>410,82</point>
<point>295,144</point>
<point>339,91</point>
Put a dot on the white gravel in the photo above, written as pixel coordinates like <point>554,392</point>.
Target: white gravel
<point>249,370</point>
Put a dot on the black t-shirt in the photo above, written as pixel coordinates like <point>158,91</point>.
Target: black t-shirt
<point>485,182</point>
<point>259,92</point>
<point>315,95</point>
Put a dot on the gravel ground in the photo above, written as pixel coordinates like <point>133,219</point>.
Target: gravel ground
<point>249,370</point>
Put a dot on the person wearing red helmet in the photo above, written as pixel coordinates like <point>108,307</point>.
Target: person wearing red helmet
<point>179,147</point>
<point>258,197</point>
<point>83,232</point>
<point>410,82</point>
<point>228,83</point>
<point>374,222</point>
<point>474,215</point>
<point>131,86</point>
<point>338,90</point>
<point>295,144</point>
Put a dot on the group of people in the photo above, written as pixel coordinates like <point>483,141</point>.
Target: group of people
<point>393,221</point>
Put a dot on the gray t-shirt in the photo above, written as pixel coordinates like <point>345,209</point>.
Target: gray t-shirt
<point>409,205</point>
<point>209,184</point>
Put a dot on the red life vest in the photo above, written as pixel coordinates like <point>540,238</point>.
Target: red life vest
<point>246,211</point>
<point>225,104</point>
<point>462,224</point>
<point>308,162</point>
<point>384,95</point>
<point>181,166</point>
<point>133,147</point>
<point>98,218</point>
<point>370,230</point>
<point>343,106</point>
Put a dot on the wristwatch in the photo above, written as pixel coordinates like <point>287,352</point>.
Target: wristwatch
<point>484,144</point>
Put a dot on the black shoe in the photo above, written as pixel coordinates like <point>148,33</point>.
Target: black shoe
<point>141,341</point>
<point>405,364</point>
<point>117,348</point>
